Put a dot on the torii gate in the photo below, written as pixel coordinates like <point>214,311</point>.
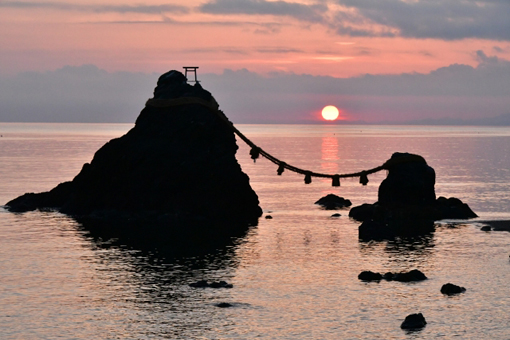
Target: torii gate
<point>191,69</point>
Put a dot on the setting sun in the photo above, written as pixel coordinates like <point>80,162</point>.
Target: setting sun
<point>330,112</point>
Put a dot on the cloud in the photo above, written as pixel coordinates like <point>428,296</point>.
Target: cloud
<point>206,50</point>
<point>498,49</point>
<point>309,13</point>
<point>244,51</point>
<point>456,91</point>
<point>62,6</point>
<point>74,94</point>
<point>484,59</point>
<point>279,50</point>
<point>438,19</point>
<point>89,94</point>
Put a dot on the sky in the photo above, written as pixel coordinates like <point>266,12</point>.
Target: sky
<point>264,61</point>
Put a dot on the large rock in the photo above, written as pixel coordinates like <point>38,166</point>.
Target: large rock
<point>177,162</point>
<point>410,181</point>
<point>407,202</point>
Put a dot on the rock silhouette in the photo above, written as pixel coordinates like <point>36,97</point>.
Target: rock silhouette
<point>407,203</point>
<point>368,275</point>
<point>414,321</point>
<point>332,202</point>
<point>205,284</point>
<point>176,165</point>
<point>411,276</point>
<point>451,289</point>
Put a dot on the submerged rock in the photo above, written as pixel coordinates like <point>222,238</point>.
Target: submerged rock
<point>221,284</point>
<point>199,284</point>
<point>224,305</point>
<point>413,275</point>
<point>205,284</point>
<point>177,164</point>
<point>407,203</point>
<point>332,202</point>
<point>451,289</point>
<point>414,321</point>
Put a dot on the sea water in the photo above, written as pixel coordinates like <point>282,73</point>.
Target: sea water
<point>294,276</point>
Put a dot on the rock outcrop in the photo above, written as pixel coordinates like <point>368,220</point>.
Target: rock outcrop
<point>411,276</point>
<point>414,321</point>
<point>451,289</point>
<point>332,202</point>
<point>407,201</point>
<point>177,164</point>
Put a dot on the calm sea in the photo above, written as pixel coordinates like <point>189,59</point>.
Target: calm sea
<point>294,276</point>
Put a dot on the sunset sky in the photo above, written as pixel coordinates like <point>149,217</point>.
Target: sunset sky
<point>264,61</point>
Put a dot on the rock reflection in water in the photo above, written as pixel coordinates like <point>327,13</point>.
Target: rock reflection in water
<point>402,252</point>
<point>153,279</point>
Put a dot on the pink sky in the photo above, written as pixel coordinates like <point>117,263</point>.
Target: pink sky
<point>338,38</point>
<point>132,36</point>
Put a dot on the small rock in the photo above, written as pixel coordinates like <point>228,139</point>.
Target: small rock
<point>221,284</point>
<point>199,284</point>
<point>486,228</point>
<point>223,305</point>
<point>331,202</point>
<point>269,217</point>
<point>413,275</point>
<point>204,284</point>
<point>336,215</point>
<point>451,289</point>
<point>414,321</point>
<point>369,276</point>
<point>388,276</point>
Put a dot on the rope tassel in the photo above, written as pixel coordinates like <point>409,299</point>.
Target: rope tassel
<point>363,178</point>
<point>281,168</point>
<point>308,178</point>
<point>254,153</point>
<point>336,181</point>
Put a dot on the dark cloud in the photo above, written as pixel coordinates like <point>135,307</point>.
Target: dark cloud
<point>74,94</point>
<point>483,59</point>
<point>229,50</point>
<point>269,29</point>
<point>234,50</point>
<point>265,27</point>
<point>456,91</point>
<point>88,94</point>
<point>448,20</point>
<point>279,50</point>
<point>498,49</point>
<point>365,52</point>
<point>308,13</point>
<point>144,9</point>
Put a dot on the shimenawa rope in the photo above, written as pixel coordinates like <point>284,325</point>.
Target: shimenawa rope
<point>256,151</point>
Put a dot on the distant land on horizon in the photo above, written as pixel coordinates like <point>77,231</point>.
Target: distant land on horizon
<point>501,120</point>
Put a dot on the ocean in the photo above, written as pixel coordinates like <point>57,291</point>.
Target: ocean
<point>294,276</point>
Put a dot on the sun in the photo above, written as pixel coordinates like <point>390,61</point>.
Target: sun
<point>330,112</point>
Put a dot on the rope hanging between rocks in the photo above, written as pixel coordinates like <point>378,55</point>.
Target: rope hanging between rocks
<point>256,151</point>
